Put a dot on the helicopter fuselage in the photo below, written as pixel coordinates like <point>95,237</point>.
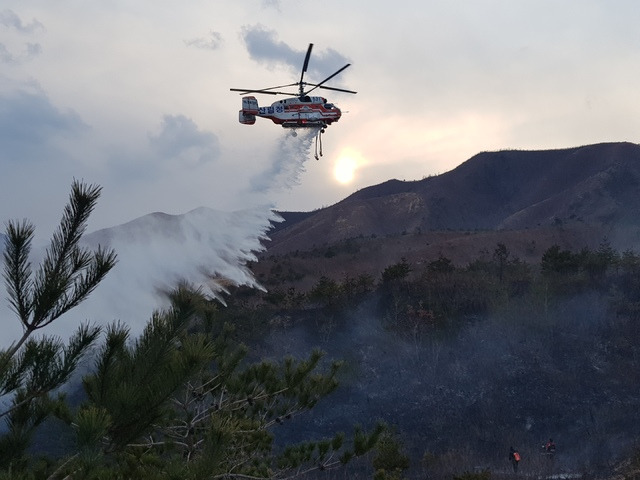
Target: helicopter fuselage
<point>292,112</point>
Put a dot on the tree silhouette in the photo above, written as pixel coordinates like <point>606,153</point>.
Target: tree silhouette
<point>30,369</point>
<point>188,403</point>
<point>501,257</point>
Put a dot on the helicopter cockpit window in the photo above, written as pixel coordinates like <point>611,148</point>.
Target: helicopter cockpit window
<point>328,106</point>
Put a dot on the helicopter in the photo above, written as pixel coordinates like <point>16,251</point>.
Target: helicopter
<point>299,110</point>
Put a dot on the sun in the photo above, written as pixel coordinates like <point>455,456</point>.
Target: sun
<point>345,167</point>
<point>344,170</point>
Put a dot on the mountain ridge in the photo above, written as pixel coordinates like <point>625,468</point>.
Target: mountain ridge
<point>595,185</point>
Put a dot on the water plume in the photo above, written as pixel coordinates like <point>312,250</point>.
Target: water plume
<point>205,248</point>
<point>287,163</point>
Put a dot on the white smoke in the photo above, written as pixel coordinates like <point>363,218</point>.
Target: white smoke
<point>206,248</point>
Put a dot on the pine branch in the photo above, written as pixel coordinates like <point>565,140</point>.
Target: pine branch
<point>95,271</point>
<point>62,466</point>
<point>46,364</point>
<point>68,273</point>
<point>17,268</point>
<point>11,374</point>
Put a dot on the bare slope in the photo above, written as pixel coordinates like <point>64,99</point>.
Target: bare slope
<point>594,185</point>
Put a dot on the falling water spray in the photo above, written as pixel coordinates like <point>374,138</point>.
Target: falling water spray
<point>287,161</point>
<point>205,248</point>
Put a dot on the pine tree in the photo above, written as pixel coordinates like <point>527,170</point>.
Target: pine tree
<point>181,401</point>
<point>32,368</point>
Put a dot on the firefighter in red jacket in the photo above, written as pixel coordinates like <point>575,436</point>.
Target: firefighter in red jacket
<point>514,457</point>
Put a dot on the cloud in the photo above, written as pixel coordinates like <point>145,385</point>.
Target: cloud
<point>263,47</point>
<point>5,55</point>
<point>30,125</point>
<point>31,50</point>
<point>275,4</point>
<point>180,138</point>
<point>10,19</point>
<point>8,55</point>
<point>212,42</point>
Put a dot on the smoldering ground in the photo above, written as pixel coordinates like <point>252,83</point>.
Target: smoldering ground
<point>516,378</point>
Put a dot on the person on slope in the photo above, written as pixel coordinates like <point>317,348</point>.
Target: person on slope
<point>514,457</point>
<point>550,448</point>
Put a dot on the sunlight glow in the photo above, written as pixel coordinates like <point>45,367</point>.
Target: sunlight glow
<point>346,165</point>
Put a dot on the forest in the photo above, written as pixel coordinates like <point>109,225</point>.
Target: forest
<point>465,360</point>
<point>428,370</point>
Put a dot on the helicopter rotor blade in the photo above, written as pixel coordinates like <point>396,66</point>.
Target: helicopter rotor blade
<point>249,90</point>
<point>327,79</point>
<point>245,90</point>
<point>280,86</point>
<point>306,62</point>
<point>267,92</point>
<point>337,89</point>
<point>263,90</point>
<point>301,84</point>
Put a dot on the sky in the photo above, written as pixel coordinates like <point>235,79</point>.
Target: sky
<point>134,96</point>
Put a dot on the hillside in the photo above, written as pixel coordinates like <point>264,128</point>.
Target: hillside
<point>542,355</point>
<point>594,186</point>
